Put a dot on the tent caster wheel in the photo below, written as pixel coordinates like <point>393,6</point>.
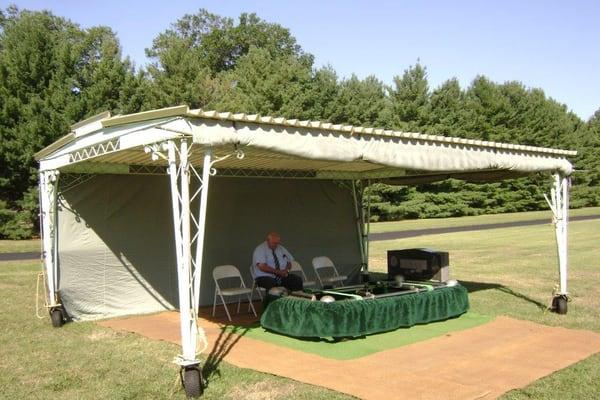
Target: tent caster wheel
<point>192,381</point>
<point>559,304</point>
<point>56,315</point>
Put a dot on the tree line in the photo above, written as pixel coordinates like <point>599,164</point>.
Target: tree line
<point>54,73</point>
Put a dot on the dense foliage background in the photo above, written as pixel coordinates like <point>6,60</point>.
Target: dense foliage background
<point>53,73</point>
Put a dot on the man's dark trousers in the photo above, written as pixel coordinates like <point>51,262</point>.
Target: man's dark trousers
<point>291,282</point>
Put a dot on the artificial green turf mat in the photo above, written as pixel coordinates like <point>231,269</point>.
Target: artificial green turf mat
<point>363,346</point>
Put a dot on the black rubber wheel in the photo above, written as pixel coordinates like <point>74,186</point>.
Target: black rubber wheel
<point>192,381</point>
<point>560,305</point>
<point>57,318</point>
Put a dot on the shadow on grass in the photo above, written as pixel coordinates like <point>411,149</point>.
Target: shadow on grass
<point>477,286</point>
<point>226,340</point>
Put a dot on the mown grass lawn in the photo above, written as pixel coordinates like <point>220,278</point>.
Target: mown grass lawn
<point>19,246</point>
<point>392,226</point>
<point>86,361</point>
<point>510,271</point>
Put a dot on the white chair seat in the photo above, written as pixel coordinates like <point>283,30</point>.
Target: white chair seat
<point>230,271</point>
<point>310,283</point>
<point>338,278</point>
<point>235,291</point>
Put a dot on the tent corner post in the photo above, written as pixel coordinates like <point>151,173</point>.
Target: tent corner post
<point>189,266</point>
<point>178,171</point>
<point>559,204</point>
<point>48,193</point>
<point>363,236</point>
<point>206,173</point>
<point>368,227</point>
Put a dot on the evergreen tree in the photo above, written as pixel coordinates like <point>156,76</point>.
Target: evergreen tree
<point>410,99</point>
<point>187,57</point>
<point>322,94</point>
<point>267,85</point>
<point>586,179</point>
<point>360,102</point>
<point>447,113</point>
<point>52,74</point>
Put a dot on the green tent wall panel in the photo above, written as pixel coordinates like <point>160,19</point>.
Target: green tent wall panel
<point>116,246</point>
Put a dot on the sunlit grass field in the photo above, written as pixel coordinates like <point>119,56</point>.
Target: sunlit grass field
<point>393,226</point>
<point>510,271</point>
<point>19,246</point>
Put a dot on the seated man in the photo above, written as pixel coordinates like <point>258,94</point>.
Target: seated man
<point>271,263</point>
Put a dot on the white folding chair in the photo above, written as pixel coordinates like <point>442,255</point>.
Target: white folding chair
<point>322,262</point>
<point>258,289</point>
<point>230,271</point>
<point>298,268</point>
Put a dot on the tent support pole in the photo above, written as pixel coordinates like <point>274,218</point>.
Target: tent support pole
<point>48,187</point>
<point>180,198</point>
<point>368,227</point>
<point>559,204</point>
<point>206,172</point>
<point>360,226</point>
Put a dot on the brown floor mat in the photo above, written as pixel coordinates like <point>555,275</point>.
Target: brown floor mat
<point>478,363</point>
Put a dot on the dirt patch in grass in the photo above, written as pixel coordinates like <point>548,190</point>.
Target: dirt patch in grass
<point>104,334</point>
<point>262,390</point>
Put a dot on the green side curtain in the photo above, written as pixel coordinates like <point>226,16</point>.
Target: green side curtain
<point>303,318</point>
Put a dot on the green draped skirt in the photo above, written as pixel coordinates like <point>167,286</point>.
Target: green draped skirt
<point>303,318</point>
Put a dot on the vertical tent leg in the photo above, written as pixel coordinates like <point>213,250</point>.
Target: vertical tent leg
<point>360,229</point>
<point>188,232</point>
<point>367,225</point>
<point>48,187</point>
<point>206,166</point>
<point>559,204</point>
<point>179,175</point>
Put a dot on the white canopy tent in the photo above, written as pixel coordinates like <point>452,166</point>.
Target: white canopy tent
<point>196,146</point>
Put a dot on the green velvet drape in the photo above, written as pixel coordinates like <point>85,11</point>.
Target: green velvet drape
<point>303,318</point>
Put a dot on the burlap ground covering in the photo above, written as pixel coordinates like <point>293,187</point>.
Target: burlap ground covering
<point>477,363</point>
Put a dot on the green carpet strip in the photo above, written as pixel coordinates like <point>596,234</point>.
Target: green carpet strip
<point>364,345</point>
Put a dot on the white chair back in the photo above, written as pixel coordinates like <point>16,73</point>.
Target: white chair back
<point>323,262</point>
<point>298,268</point>
<point>227,271</point>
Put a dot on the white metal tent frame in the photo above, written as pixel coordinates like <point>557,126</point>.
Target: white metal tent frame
<point>187,144</point>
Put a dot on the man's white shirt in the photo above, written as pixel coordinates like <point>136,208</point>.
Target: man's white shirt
<point>264,255</point>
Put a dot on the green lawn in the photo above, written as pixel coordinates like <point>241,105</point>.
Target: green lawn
<point>19,246</point>
<point>393,226</point>
<point>509,271</point>
<point>85,361</point>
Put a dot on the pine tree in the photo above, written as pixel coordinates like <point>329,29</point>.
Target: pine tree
<point>360,102</point>
<point>266,85</point>
<point>187,57</point>
<point>52,74</point>
<point>410,99</point>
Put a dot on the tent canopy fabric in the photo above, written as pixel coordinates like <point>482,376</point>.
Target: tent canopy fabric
<point>290,148</point>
